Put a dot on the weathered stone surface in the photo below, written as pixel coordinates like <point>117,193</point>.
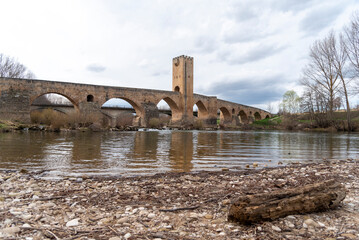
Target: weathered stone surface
<point>303,199</point>
<point>17,95</point>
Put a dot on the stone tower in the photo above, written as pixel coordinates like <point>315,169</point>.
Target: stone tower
<point>182,82</point>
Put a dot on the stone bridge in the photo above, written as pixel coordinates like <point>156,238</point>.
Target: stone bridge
<point>18,95</point>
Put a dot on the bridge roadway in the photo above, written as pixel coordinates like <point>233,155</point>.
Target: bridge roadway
<point>18,95</point>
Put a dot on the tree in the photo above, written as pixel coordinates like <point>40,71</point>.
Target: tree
<point>321,74</point>
<point>351,41</point>
<point>340,63</point>
<point>290,102</point>
<point>10,68</point>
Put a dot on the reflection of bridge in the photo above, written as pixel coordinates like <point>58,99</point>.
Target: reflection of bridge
<point>18,95</point>
<point>67,108</point>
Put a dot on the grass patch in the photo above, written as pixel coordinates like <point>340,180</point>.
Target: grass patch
<point>269,121</point>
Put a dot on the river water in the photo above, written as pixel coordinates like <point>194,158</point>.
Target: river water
<point>137,153</point>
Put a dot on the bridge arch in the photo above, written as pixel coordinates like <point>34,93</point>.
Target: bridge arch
<point>138,110</point>
<point>52,109</point>
<point>243,117</point>
<point>257,116</point>
<point>176,113</point>
<point>73,102</point>
<point>201,108</point>
<point>225,115</point>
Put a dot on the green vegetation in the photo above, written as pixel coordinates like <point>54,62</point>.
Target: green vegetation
<point>305,121</point>
<point>269,121</point>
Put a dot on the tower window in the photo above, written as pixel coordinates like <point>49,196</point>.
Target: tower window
<point>177,89</point>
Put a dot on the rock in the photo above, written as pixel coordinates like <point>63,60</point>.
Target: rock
<point>208,216</point>
<point>225,169</point>
<point>289,224</point>
<point>73,223</point>
<point>226,202</point>
<point>151,215</point>
<point>348,235</point>
<point>123,220</point>
<point>114,238</point>
<point>127,235</point>
<point>10,230</point>
<point>277,229</point>
<point>95,127</point>
<point>255,164</point>
<point>26,225</point>
<point>310,222</point>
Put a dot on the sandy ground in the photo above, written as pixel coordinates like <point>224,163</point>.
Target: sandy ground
<point>170,206</point>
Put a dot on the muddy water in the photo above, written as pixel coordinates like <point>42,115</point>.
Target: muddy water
<point>135,153</point>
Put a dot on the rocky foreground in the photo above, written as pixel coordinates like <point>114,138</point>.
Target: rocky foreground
<point>170,206</point>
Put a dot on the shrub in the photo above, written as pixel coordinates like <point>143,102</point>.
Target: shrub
<point>154,123</point>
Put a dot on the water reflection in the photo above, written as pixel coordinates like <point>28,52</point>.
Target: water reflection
<point>128,153</point>
<point>181,151</point>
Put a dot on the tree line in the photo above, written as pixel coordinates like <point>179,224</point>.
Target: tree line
<point>329,78</point>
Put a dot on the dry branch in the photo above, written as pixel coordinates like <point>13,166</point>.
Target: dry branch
<point>269,206</point>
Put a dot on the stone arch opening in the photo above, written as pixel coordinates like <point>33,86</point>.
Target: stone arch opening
<point>257,116</point>
<point>233,111</point>
<point>177,89</point>
<point>243,117</point>
<point>122,112</point>
<point>52,109</point>
<point>90,98</point>
<point>168,111</point>
<point>267,116</point>
<point>224,115</point>
<point>199,110</point>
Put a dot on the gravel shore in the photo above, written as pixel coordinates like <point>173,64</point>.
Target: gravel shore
<point>170,206</point>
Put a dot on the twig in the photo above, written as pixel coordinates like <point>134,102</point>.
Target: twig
<point>179,209</point>
<point>53,234</point>
<point>143,223</point>
<point>42,199</point>
<point>113,230</point>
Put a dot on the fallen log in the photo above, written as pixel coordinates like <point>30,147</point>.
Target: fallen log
<point>304,199</point>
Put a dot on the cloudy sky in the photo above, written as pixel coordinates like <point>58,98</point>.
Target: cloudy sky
<point>246,51</point>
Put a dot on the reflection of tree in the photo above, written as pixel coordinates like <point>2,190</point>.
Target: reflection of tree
<point>181,151</point>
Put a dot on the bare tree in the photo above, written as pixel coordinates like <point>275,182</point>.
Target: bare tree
<point>351,40</point>
<point>340,62</point>
<point>10,68</point>
<point>321,74</point>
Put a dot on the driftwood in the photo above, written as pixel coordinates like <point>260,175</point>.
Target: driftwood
<point>269,206</point>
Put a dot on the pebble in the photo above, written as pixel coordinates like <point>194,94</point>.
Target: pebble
<point>123,220</point>
<point>208,216</point>
<point>26,225</point>
<point>115,238</point>
<point>277,229</point>
<point>311,222</point>
<point>151,215</point>
<point>127,235</point>
<point>10,230</point>
<point>73,223</point>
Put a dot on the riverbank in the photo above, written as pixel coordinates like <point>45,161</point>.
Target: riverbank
<point>170,206</point>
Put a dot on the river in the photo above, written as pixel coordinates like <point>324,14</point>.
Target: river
<point>137,153</point>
